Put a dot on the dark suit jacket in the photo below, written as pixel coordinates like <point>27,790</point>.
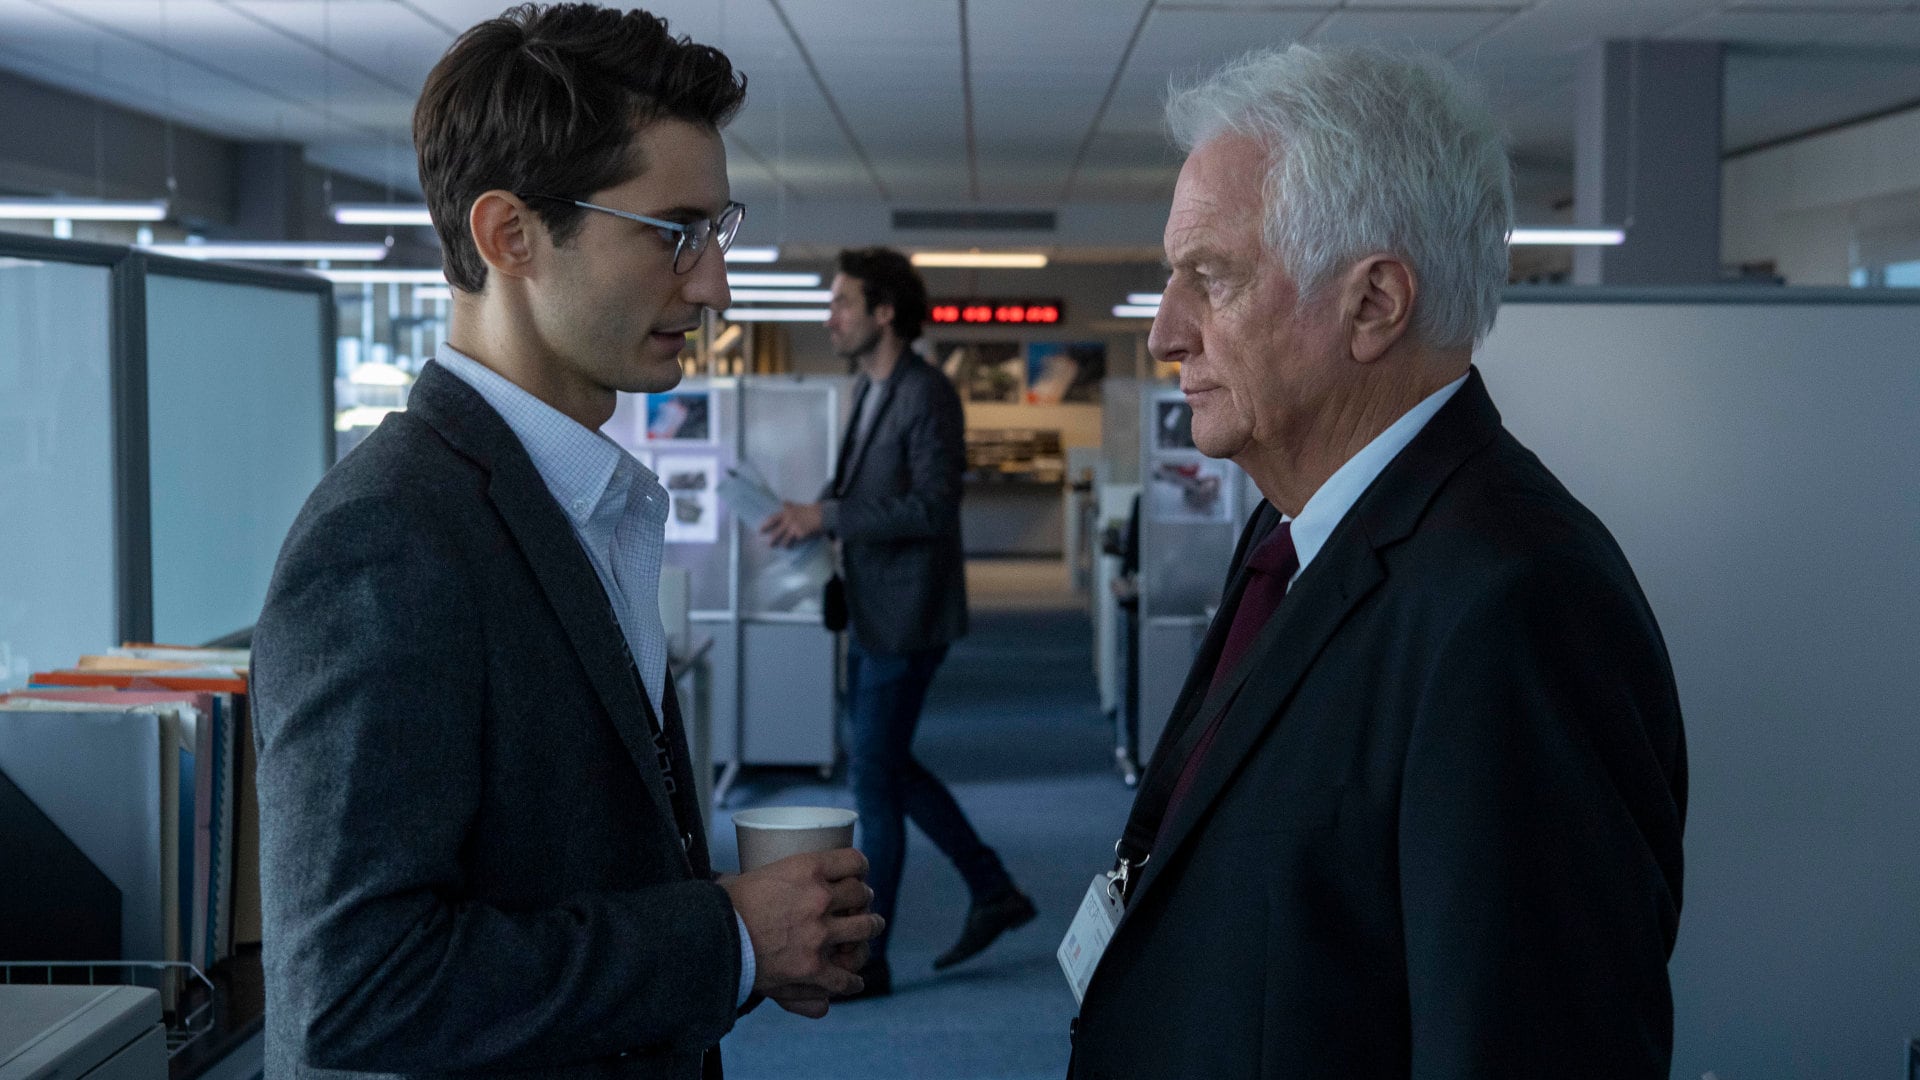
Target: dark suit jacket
<point>1439,832</point>
<point>896,509</point>
<point>470,860</point>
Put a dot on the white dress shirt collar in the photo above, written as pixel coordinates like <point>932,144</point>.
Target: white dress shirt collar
<point>1329,505</point>
<point>576,462</point>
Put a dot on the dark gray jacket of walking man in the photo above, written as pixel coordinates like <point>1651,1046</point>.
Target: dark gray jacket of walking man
<point>894,502</point>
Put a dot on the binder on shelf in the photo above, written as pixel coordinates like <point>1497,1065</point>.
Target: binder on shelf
<point>57,904</point>
<point>109,777</point>
<point>206,857</point>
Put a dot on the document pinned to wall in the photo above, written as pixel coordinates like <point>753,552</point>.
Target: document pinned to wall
<point>753,502</point>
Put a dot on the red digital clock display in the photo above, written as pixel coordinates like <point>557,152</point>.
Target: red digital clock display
<point>997,312</point>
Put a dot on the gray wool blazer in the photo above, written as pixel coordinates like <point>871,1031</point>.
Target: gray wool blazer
<point>895,507</point>
<point>471,861</point>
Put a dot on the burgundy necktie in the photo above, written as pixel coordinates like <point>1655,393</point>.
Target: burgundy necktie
<point>1270,567</point>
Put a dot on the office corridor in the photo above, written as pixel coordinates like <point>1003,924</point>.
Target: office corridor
<point>1013,726</point>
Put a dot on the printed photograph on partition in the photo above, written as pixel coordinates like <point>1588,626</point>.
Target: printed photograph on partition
<point>987,371</point>
<point>681,417</point>
<point>1188,490</point>
<point>1060,371</point>
<point>693,513</point>
<point>1172,426</point>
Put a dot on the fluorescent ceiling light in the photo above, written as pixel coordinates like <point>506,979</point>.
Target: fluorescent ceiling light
<point>362,416</point>
<point>775,314</point>
<point>384,277</point>
<point>432,292</point>
<point>379,374</point>
<point>775,280</point>
<point>1576,237</point>
<point>382,214</point>
<point>753,255</point>
<point>272,251</point>
<point>1136,311</point>
<point>82,210</point>
<point>981,260</point>
<point>785,296</point>
<point>1150,299</point>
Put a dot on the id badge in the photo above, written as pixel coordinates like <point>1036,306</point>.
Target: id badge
<point>1087,938</point>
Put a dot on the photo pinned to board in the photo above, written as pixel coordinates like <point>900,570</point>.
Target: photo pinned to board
<point>693,515</point>
<point>1061,371</point>
<point>1172,426</point>
<point>1189,489</point>
<point>681,416</point>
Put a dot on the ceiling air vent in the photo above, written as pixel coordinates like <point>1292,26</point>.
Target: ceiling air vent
<point>976,220</point>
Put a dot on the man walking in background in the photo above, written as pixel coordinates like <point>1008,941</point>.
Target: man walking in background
<point>894,506</point>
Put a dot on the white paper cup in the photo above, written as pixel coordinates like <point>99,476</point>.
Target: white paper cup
<point>770,833</point>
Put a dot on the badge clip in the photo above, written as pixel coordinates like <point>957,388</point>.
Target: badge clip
<point>1119,880</point>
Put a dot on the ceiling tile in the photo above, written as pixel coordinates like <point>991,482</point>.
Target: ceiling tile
<point>1767,27</point>
<point>1186,45</point>
<point>1431,31</point>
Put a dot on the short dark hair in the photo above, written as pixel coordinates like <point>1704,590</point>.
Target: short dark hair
<point>547,99</point>
<point>888,277</point>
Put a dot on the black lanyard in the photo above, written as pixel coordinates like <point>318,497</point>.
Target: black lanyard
<point>1170,757</point>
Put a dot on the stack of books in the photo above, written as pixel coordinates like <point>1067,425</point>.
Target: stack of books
<point>143,757</point>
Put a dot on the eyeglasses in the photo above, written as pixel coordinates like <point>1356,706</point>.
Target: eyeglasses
<point>689,239</point>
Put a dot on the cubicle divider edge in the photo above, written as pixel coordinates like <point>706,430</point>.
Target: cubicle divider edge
<point>129,268</point>
<point>133,434</point>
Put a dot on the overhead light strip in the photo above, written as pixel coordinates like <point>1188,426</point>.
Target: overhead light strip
<point>1135,311</point>
<point>980,260</point>
<point>83,210</point>
<point>784,296</point>
<point>269,251</point>
<point>753,255</point>
<point>384,277</point>
<point>1568,237</point>
<point>382,214</point>
<point>811,315</point>
<point>774,280</point>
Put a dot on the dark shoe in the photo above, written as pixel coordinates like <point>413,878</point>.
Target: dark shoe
<point>877,976</point>
<point>986,921</point>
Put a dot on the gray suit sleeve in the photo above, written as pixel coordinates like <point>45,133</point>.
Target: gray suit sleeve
<point>934,430</point>
<point>370,692</point>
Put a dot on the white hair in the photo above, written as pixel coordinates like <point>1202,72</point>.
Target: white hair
<point>1370,152</point>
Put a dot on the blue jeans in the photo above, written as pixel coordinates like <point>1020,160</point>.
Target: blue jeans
<point>884,694</point>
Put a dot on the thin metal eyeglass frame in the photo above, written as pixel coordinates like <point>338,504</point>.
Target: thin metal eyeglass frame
<point>688,238</point>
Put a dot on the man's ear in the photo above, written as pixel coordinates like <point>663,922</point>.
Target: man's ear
<point>1381,290</point>
<point>883,314</point>
<point>505,232</point>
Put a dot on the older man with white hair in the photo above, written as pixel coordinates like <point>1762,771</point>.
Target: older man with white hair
<point>1418,810</point>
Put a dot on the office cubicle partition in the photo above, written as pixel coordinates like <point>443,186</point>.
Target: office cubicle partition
<point>151,453</point>
<point>1756,452</point>
<point>61,590</point>
<point>239,384</point>
<point>772,664</point>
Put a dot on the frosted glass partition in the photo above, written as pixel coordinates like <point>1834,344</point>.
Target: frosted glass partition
<point>788,430</point>
<point>238,427</point>
<point>1760,465</point>
<point>58,596</point>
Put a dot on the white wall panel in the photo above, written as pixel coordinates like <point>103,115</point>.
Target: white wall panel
<point>1757,463</point>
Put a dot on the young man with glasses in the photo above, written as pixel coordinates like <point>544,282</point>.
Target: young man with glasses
<point>481,849</point>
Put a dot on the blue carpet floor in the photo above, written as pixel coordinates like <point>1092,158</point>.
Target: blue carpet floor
<point>1012,725</point>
